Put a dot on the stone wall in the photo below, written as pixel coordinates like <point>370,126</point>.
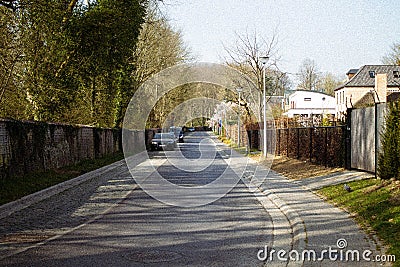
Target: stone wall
<point>36,146</point>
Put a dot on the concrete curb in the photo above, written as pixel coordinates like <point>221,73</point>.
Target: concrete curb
<point>26,201</point>
<point>299,233</point>
<point>297,225</point>
<point>298,229</point>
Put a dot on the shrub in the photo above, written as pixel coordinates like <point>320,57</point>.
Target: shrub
<point>389,156</point>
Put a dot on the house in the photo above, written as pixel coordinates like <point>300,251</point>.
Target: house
<point>370,82</point>
<point>306,104</point>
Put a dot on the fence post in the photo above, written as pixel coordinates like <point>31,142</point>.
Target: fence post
<point>311,140</point>
<point>298,143</point>
<point>348,140</point>
<point>279,141</point>
<point>287,142</point>
<point>376,138</point>
<point>326,147</point>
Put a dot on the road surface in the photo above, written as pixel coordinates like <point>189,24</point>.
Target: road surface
<point>107,220</point>
<point>140,230</point>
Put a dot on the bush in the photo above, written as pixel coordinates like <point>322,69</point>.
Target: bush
<point>389,156</point>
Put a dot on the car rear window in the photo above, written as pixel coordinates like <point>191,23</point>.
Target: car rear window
<point>163,136</point>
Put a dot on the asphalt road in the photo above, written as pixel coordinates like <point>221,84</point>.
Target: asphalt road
<point>110,221</point>
<point>105,218</point>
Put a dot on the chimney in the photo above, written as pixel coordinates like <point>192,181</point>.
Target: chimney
<point>381,87</point>
<point>351,73</point>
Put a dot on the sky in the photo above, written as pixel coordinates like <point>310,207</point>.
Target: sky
<point>337,35</point>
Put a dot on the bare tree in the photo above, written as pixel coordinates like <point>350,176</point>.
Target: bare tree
<point>245,57</point>
<point>393,57</point>
<point>308,75</point>
<point>328,82</point>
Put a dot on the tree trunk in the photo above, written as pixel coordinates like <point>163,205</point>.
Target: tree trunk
<point>93,102</point>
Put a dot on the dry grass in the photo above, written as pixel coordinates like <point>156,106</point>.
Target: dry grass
<point>297,169</point>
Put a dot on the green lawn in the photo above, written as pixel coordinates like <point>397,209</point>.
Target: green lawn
<point>377,205</point>
<point>17,187</point>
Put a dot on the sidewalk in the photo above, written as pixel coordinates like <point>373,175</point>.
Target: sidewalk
<point>315,183</point>
<point>316,225</point>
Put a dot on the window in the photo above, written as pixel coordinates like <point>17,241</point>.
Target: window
<point>307,99</point>
<point>371,74</point>
<point>396,74</point>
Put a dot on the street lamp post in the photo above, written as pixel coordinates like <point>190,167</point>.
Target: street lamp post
<point>264,60</point>
<point>239,90</point>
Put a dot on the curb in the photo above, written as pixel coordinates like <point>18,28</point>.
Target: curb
<point>299,232</point>
<point>297,225</point>
<point>26,201</point>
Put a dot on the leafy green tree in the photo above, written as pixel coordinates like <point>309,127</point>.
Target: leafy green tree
<point>105,37</point>
<point>159,46</point>
<point>49,86</point>
<point>81,61</point>
<point>389,156</point>
<point>71,58</point>
<point>12,97</point>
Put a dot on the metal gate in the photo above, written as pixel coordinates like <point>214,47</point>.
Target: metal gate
<point>366,124</point>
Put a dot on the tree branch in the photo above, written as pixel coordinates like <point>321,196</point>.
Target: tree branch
<point>70,9</point>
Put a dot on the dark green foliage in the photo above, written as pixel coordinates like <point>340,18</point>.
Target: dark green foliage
<point>80,62</point>
<point>66,59</point>
<point>389,156</point>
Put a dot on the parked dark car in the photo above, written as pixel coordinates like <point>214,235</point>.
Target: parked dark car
<point>164,141</point>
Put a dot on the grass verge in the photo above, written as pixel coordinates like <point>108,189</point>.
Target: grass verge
<point>376,206</point>
<point>20,186</point>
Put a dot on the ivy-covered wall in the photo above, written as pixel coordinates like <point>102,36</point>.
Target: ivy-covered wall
<point>34,146</point>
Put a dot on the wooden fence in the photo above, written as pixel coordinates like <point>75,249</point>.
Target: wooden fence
<point>320,145</point>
